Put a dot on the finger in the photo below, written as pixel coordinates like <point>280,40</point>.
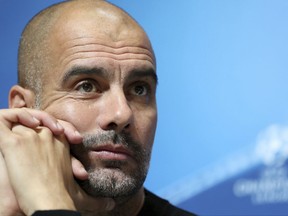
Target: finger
<point>78,169</point>
<point>39,150</point>
<point>47,120</point>
<point>57,126</point>
<point>8,117</point>
<point>31,118</point>
<point>14,143</point>
<point>71,133</point>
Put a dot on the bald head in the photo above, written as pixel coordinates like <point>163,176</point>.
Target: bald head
<point>44,33</point>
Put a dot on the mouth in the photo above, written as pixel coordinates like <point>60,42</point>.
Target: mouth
<point>110,152</point>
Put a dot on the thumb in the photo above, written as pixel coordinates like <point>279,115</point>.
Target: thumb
<point>78,169</point>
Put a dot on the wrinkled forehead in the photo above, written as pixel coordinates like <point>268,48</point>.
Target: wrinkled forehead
<point>108,27</point>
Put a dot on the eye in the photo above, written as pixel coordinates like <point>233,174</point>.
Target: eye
<point>140,90</point>
<point>87,86</point>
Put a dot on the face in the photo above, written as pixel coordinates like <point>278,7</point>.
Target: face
<point>106,88</point>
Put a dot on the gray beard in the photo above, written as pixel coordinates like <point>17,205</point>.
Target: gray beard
<point>114,184</point>
<point>114,181</point>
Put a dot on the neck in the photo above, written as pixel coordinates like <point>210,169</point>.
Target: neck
<point>128,206</point>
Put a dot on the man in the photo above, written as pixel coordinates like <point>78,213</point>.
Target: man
<point>79,132</point>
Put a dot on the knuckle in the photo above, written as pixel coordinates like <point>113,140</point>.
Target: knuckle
<point>29,135</point>
<point>24,133</point>
<point>11,141</point>
<point>46,131</point>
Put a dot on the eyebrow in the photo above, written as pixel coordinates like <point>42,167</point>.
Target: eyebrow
<point>99,71</point>
<point>137,73</point>
<point>75,71</point>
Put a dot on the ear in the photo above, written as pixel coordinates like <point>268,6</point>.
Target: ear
<point>20,97</point>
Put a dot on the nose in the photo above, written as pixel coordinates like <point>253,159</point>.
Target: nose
<point>116,112</point>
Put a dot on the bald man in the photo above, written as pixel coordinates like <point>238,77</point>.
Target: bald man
<point>78,134</point>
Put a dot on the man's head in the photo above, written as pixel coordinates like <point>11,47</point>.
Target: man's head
<point>89,63</point>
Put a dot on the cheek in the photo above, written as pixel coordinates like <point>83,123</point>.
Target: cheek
<point>146,127</point>
<point>80,115</point>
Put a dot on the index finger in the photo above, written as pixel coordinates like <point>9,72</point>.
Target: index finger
<point>8,117</point>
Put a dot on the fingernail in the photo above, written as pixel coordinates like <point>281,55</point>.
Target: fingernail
<point>77,134</point>
<point>59,126</point>
<point>84,171</point>
<point>36,120</point>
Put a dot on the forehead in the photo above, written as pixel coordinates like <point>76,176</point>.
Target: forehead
<point>99,30</point>
<point>108,25</point>
<point>92,40</point>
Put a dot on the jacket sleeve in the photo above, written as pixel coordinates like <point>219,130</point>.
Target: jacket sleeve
<point>56,213</point>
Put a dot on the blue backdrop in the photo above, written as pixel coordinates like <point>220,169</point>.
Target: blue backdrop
<point>222,139</point>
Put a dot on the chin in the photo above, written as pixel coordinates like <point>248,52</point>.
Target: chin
<point>113,182</point>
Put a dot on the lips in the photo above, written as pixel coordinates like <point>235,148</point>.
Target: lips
<point>111,152</point>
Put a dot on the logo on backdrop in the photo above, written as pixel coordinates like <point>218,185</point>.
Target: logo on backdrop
<point>270,185</point>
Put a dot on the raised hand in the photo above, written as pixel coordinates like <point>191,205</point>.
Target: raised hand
<point>35,147</point>
<point>31,118</point>
<point>39,168</point>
